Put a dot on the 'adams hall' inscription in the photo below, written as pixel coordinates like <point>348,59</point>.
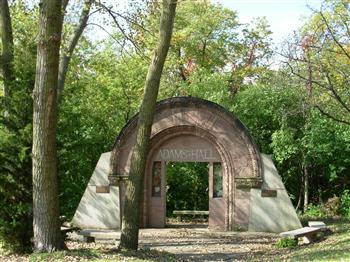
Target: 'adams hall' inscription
<point>205,155</point>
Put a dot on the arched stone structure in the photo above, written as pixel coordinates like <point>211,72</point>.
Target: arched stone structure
<point>188,129</point>
<point>187,116</point>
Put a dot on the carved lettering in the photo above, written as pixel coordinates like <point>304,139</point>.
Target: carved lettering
<point>187,154</point>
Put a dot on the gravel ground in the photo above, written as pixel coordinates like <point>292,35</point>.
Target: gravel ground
<point>200,244</point>
<point>178,243</point>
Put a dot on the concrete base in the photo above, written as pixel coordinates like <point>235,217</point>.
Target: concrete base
<point>271,208</point>
<point>99,206</point>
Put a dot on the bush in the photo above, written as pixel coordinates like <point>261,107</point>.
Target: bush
<point>315,211</point>
<point>345,203</point>
<point>286,242</point>
<point>16,135</point>
<point>15,189</point>
<point>333,206</point>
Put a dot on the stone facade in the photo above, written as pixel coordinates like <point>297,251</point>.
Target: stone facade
<point>99,206</point>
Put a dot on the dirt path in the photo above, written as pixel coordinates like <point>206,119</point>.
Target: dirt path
<point>200,244</point>
<point>193,243</point>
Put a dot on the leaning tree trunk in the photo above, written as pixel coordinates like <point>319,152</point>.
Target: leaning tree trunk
<point>133,196</point>
<point>47,236</point>
<point>6,59</point>
<point>68,52</point>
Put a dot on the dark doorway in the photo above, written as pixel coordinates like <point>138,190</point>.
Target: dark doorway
<point>187,188</point>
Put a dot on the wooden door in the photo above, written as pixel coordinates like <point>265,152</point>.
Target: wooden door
<point>216,197</point>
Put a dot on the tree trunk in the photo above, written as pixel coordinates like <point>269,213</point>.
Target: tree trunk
<point>306,188</point>
<point>300,196</point>
<point>68,52</point>
<point>319,179</point>
<point>47,235</point>
<point>133,196</point>
<point>6,60</point>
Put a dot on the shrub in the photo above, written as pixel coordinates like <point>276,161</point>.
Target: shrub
<point>345,203</point>
<point>15,189</point>
<point>286,242</point>
<point>315,211</point>
<point>333,206</point>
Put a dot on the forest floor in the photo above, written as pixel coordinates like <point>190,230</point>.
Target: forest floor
<point>190,243</point>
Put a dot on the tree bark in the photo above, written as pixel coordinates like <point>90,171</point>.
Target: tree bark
<point>300,196</point>
<point>68,52</point>
<point>6,60</point>
<point>306,188</point>
<point>133,196</point>
<point>47,235</point>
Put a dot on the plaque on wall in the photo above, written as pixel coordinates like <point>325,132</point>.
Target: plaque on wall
<point>248,183</point>
<point>268,193</point>
<point>102,189</point>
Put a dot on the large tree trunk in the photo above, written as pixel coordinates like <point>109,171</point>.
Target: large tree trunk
<point>131,216</point>
<point>47,236</point>
<point>6,59</point>
<point>68,52</point>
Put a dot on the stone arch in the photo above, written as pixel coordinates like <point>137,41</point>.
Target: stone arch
<point>189,116</point>
<point>179,111</point>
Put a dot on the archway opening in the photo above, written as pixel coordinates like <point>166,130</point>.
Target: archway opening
<point>187,189</point>
<point>186,149</point>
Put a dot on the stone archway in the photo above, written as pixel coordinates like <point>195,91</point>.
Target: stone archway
<point>193,129</point>
<point>183,117</point>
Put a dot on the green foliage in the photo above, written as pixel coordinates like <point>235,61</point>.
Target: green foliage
<point>187,186</point>
<point>345,203</point>
<point>100,96</point>
<point>286,242</point>
<point>210,50</point>
<point>315,211</point>
<point>280,119</point>
<point>15,188</point>
<point>15,137</point>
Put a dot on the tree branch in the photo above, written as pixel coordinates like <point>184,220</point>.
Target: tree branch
<point>331,116</point>
<point>333,36</point>
<point>122,30</point>
<point>67,53</point>
<point>335,94</point>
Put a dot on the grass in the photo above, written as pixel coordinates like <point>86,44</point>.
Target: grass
<point>334,247</point>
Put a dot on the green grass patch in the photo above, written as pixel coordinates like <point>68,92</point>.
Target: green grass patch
<point>286,242</point>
